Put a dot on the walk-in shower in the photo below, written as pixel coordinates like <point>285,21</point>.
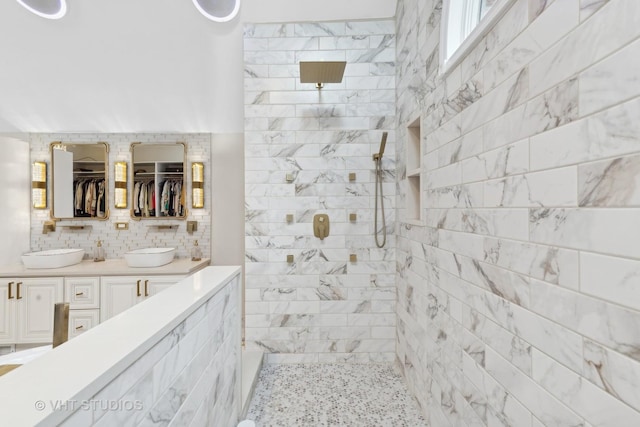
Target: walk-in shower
<point>377,157</point>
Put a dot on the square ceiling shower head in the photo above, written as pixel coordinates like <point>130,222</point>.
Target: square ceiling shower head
<point>320,72</point>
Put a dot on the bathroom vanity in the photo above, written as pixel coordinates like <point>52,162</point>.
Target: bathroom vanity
<point>95,292</point>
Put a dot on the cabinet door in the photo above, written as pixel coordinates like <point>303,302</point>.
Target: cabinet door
<point>82,292</point>
<point>81,321</point>
<point>157,284</point>
<point>119,293</point>
<point>35,305</point>
<point>7,312</point>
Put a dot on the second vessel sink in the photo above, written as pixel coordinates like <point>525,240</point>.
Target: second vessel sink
<point>54,258</point>
<point>149,257</point>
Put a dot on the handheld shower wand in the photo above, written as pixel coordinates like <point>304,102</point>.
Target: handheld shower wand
<point>377,157</point>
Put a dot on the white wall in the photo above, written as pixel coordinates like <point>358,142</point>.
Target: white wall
<point>15,199</point>
<point>227,199</point>
<point>137,66</point>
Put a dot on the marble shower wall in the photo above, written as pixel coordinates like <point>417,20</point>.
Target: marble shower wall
<point>321,307</point>
<point>140,234</point>
<point>519,296</point>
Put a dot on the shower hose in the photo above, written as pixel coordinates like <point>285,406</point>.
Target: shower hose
<point>375,216</point>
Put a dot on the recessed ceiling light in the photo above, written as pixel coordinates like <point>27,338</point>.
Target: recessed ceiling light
<point>50,9</point>
<point>218,10</point>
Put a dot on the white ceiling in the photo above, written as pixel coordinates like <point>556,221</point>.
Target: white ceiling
<point>138,66</point>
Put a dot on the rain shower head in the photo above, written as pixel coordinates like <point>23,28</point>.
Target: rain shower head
<point>320,72</point>
<point>383,142</point>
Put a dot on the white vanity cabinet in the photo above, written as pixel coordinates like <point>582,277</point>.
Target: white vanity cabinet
<point>118,293</point>
<point>83,296</point>
<point>95,292</point>
<point>26,310</point>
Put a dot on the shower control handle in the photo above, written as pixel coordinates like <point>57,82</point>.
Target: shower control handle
<point>321,226</point>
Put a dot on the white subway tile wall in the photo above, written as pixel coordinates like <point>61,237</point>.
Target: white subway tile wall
<point>518,302</point>
<point>321,307</point>
<point>140,234</point>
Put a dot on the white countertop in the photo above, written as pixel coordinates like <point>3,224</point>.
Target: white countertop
<point>110,267</point>
<point>81,367</point>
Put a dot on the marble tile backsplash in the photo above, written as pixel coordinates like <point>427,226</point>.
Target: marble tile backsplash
<point>321,307</point>
<point>140,234</point>
<point>518,301</point>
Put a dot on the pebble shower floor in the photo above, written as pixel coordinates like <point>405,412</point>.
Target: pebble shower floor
<point>310,395</point>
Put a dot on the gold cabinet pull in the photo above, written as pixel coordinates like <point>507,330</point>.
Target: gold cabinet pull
<point>146,288</point>
<point>18,290</point>
<point>138,288</point>
<point>79,327</point>
<point>9,296</point>
<point>79,294</point>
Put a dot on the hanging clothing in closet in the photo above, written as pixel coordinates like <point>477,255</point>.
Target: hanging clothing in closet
<point>89,197</point>
<point>144,199</point>
<point>172,198</point>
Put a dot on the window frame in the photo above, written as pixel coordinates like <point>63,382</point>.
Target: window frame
<point>485,24</point>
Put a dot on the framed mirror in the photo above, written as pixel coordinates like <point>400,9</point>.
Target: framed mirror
<point>79,187</point>
<point>159,181</point>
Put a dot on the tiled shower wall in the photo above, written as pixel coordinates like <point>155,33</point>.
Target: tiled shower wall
<point>519,298</point>
<point>141,234</point>
<point>321,307</point>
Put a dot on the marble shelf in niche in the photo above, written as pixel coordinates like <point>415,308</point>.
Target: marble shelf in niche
<point>413,163</point>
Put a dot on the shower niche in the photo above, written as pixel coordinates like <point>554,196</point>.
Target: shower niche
<point>413,163</point>
<point>159,184</point>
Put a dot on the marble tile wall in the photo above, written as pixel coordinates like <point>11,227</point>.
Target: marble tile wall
<point>140,233</point>
<point>190,377</point>
<point>321,307</point>
<point>518,298</point>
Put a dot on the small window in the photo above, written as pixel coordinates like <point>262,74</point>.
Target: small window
<point>465,22</point>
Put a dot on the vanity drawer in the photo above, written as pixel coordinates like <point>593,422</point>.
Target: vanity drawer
<point>82,320</point>
<point>82,292</point>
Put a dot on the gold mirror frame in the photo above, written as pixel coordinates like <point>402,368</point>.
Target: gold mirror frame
<point>183,175</point>
<point>54,146</point>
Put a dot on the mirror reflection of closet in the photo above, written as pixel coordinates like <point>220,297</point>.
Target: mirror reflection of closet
<point>80,184</point>
<point>159,184</point>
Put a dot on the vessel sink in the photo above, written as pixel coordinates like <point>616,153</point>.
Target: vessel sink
<point>54,258</point>
<point>149,257</point>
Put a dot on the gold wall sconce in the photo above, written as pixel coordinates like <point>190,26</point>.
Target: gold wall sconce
<point>120,182</point>
<point>197,185</point>
<point>39,185</point>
